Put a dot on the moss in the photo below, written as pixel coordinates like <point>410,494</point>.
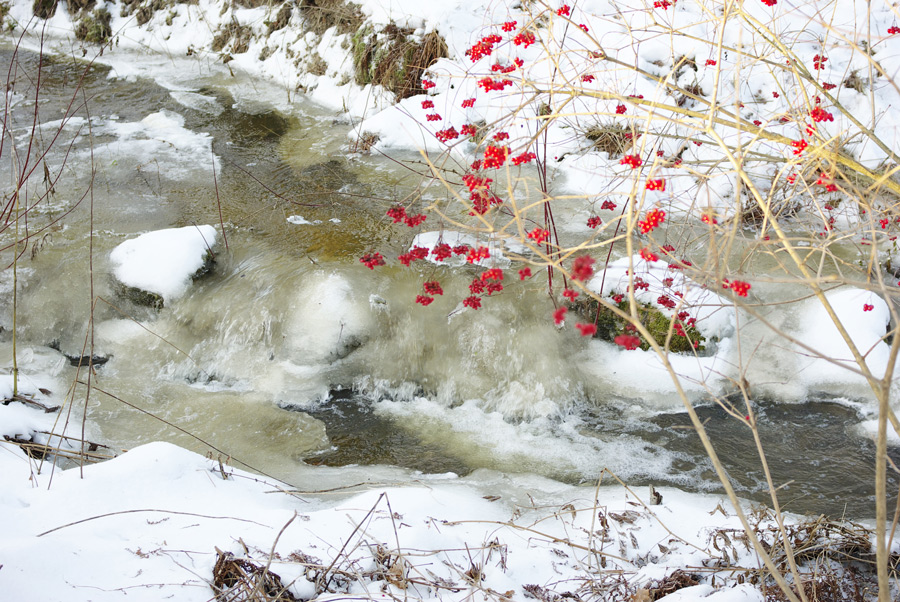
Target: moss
<point>141,297</point>
<point>94,27</point>
<point>610,325</point>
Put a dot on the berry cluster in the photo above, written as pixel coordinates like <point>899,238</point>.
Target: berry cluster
<point>652,220</point>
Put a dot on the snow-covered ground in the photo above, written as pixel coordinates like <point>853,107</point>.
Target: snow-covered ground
<point>147,524</point>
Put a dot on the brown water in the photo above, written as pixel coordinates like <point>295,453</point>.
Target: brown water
<point>292,352</point>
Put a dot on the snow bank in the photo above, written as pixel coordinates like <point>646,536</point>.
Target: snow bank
<point>149,523</point>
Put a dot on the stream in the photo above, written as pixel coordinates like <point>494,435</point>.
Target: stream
<point>291,351</point>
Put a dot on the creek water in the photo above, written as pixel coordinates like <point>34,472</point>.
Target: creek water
<point>291,352</point>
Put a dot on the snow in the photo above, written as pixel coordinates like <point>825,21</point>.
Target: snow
<point>164,511</point>
<point>164,261</point>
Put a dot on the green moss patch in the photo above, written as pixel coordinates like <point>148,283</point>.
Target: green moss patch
<point>94,27</point>
<point>610,325</point>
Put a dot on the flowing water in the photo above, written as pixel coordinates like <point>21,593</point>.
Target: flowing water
<point>291,351</point>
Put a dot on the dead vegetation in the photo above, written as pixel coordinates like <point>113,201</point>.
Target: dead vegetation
<point>243,580</point>
<point>595,564</point>
<point>321,15</point>
<point>394,58</point>
<point>234,37</point>
<point>612,139</point>
<point>46,445</point>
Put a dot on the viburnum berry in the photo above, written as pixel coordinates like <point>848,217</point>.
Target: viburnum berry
<point>468,130</point>
<point>445,135</point>
<point>632,160</point>
<point>433,287</point>
<point>428,84</point>
<point>425,300</point>
<point>500,136</point>
<point>618,298</point>
<point>563,11</point>
<point>648,255</point>
<point>475,255</point>
<point>657,184</point>
<point>494,156</point>
<point>666,301</point>
<point>412,255</point>
<point>587,330</point>
<point>582,267</point>
<point>493,287</point>
<point>652,220</point>
<point>370,260</point>
<point>583,27</point>
<point>559,315</point>
<point>893,29</point>
<point>829,86</point>
<point>819,62</point>
<point>710,63</point>
<point>474,182</point>
<point>414,220</point>
<point>441,251</point>
<point>473,302</point>
<point>539,235</point>
<point>488,84</point>
<point>476,287</point>
<point>628,341</point>
<point>492,274</point>
<point>427,104</point>
<point>621,109</point>
<point>663,4</point>
<point>523,158</point>
<point>508,26</point>
<point>483,47</point>
<point>770,2</point>
<point>594,221</point>
<point>524,273</point>
<point>799,146</point>
<point>740,288</point>
<point>524,38</point>
<point>397,213</point>
<point>868,307</point>
<point>819,114</point>
<point>433,117</point>
<point>461,249</point>
<point>608,206</point>
<point>587,78</point>
<point>570,294</point>
<point>467,103</point>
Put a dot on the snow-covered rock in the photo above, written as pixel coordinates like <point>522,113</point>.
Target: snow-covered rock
<point>163,263</point>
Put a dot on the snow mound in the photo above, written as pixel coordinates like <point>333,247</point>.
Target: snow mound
<point>163,262</point>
